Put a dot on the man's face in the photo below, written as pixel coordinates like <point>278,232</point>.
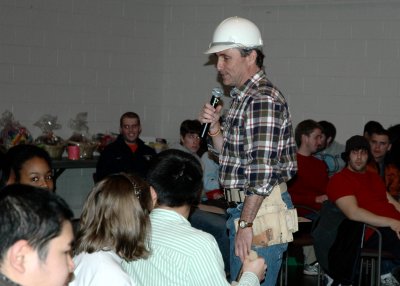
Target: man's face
<point>130,129</point>
<point>380,145</point>
<point>232,67</point>
<point>56,268</point>
<point>358,161</point>
<point>191,141</point>
<point>324,142</point>
<point>313,141</point>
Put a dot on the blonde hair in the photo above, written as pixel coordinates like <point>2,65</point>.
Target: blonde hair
<point>115,217</point>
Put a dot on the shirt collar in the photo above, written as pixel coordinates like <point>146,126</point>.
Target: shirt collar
<point>240,92</point>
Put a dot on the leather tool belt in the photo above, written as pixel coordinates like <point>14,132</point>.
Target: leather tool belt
<point>237,195</point>
<point>234,195</point>
<point>274,222</point>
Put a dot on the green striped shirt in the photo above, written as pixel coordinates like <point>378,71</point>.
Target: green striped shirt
<point>181,255</point>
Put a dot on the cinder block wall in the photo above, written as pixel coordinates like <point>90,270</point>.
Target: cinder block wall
<point>334,60</point>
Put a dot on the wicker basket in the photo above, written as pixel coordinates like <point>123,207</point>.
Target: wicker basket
<point>55,151</point>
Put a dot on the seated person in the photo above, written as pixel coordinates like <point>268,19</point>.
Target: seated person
<point>381,163</point>
<point>392,173</point>
<point>212,187</point>
<point>35,237</point>
<point>210,222</point>
<point>128,153</point>
<point>370,127</point>
<point>30,165</point>
<point>361,195</point>
<point>330,151</point>
<point>189,140</point>
<point>308,187</point>
<point>181,254</point>
<point>114,227</point>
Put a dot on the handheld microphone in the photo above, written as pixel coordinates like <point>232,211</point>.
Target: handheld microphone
<point>216,93</point>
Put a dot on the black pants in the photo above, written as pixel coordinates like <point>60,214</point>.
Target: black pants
<point>390,243</point>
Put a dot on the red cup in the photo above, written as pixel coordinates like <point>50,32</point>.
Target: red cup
<point>73,152</point>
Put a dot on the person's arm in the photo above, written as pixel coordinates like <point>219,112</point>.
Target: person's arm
<point>253,272</point>
<point>349,206</point>
<point>244,236</point>
<point>393,201</point>
<point>306,198</point>
<point>268,144</point>
<point>211,115</point>
<point>265,120</point>
<point>320,199</point>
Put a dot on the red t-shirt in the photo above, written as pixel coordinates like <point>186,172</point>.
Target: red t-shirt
<point>368,188</point>
<point>311,181</point>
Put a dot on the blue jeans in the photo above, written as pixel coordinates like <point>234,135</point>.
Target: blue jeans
<point>272,254</point>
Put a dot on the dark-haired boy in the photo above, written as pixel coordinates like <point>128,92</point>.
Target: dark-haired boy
<point>361,195</point>
<point>181,254</point>
<point>35,237</point>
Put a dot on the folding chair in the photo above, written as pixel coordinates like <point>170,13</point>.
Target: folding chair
<point>301,238</point>
<point>371,259</point>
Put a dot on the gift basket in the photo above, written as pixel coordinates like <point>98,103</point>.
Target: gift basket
<point>80,136</point>
<point>53,144</point>
<point>159,145</point>
<point>13,133</point>
<point>103,139</point>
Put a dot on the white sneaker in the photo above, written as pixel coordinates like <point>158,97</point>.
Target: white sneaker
<point>328,280</point>
<point>311,269</point>
<point>389,280</point>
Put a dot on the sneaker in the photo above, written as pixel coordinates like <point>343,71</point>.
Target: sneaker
<point>311,269</point>
<point>327,280</point>
<point>389,280</point>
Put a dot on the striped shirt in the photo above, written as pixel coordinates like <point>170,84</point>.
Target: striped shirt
<point>258,150</point>
<point>181,255</point>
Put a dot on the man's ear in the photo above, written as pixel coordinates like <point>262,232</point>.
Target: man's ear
<point>252,57</point>
<point>16,255</point>
<point>304,138</point>
<point>153,196</point>
<point>328,141</point>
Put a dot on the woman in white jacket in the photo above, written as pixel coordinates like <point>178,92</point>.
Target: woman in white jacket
<point>114,226</point>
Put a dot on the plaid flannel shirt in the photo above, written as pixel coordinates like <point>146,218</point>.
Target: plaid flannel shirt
<point>259,149</point>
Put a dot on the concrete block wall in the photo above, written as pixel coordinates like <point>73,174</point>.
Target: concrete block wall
<point>334,60</point>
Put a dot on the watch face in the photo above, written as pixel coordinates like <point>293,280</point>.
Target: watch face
<point>242,224</point>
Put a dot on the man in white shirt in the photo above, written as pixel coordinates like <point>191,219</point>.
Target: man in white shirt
<point>181,254</point>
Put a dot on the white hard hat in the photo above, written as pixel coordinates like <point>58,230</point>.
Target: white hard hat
<point>235,32</point>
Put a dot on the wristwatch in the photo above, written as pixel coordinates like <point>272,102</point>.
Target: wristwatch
<point>244,224</point>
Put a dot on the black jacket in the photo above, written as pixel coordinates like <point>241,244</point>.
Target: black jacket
<point>337,243</point>
<point>118,157</point>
